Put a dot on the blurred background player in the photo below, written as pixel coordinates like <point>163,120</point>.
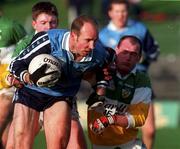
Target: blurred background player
<point>119,25</point>
<point>10,33</point>
<point>114,123</point>
<point>44,18</point>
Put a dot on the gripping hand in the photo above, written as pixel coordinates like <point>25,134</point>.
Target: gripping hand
<point>13,81</point>
<point>99,125</point>
<point>95,100</point>
<point>41,72</point>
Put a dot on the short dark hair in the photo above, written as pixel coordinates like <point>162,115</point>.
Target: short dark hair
<point>125,2</point>
<point>44,7</point>
<point>79,22</point>
<point>134,40</point>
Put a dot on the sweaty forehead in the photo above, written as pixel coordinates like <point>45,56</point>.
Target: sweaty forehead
<point>127,45</point>
<point>45,16</point>
<point>89,30</point>
<point>88,27</point>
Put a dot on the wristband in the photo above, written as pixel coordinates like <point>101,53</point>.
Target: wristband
<point>131,121</point>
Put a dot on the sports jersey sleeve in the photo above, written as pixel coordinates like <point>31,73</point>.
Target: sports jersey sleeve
<point>138,109</point>
<point>137,115</point>
<point>18,32</point>
<point>150,48</point>
<point>22,44</point>
<point>40,44</point>
<point>109,66</point>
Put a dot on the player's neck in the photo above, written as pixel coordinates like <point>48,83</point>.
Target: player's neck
<point>77,57</point>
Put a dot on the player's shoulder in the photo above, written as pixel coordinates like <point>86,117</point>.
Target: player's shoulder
<point>57,32</point>
<point>142,79</point>
<point>22,44</point>
<point>6,21</point>
<point>103,30</point>
<point>136,23</point>
<point>26,39</point>
<point>99,46</point>
<point>101,52</point>
<point>10,23</point>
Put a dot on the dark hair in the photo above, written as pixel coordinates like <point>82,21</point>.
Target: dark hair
<point>79,22</point>
<point>134,40</point>
<point>44,7</point>
<point>125,2</point>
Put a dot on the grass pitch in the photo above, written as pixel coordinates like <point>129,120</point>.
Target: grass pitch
<point>166,138</point>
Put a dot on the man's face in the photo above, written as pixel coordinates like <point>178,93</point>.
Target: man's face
<point>45,22</point>
<point>119,15</point>
<point>85,41</point>
<point>127,56</point>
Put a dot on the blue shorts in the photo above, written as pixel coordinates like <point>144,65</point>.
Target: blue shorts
<point>37,100</point>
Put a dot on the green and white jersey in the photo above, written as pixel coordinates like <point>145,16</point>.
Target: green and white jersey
<point>130,89</point>
<point>10,33</point>
<point>128,95</point>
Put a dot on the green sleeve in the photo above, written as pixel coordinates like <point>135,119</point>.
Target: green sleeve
<point>18,31</point>
<point>22,44</point>
<point>10,32</point>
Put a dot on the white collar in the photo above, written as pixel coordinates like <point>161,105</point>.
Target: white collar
<point>126,76</point>
<point>112,27</point>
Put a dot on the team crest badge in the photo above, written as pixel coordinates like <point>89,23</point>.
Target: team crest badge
<point>126,92</point>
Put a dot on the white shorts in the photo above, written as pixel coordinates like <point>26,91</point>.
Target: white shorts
<point>134,144</point>
<point>8,91</point>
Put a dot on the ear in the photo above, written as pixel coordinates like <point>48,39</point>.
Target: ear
<point>117,49</point>
<point>109,13</point>
<point>74,35</point>
<point>139,58</point>
<point>33,24</point>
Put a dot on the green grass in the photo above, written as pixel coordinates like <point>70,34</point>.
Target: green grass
<point>166,6</point>
<point>166,138</point>
<point>167,34</point>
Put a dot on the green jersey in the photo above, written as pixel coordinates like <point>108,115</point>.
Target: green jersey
<point>128,95</point>
<point>10,32</point>
<point>22,44</point>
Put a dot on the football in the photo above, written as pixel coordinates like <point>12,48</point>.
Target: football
<point>45,70</point>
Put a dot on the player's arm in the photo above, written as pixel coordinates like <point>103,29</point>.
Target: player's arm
<point>19,66</point>
<point>131,119</point>
<point>150,51</point>
<point>18,32</point>
<point>104,75</point>
<point>136,113</point>
<point>21,45</point>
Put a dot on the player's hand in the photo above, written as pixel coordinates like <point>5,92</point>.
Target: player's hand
<point>13,81</point>
<point>95,100</point>
<point>110,67</point>
<point>109,71</point>
<point>39,73</point>
<point>99,125</point>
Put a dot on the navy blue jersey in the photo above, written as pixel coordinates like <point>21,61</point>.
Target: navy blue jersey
<point>56,43</point>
